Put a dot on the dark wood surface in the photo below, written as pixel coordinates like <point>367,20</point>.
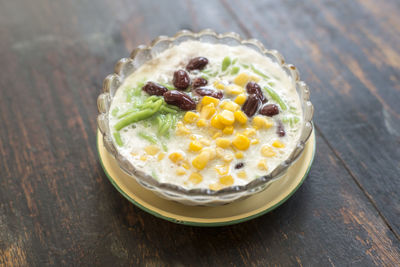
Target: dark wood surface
<point>58,208</point>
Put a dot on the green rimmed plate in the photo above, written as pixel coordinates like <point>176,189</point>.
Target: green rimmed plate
<point>272,197</point>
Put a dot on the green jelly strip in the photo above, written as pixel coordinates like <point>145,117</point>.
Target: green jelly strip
<point>148,137</point>
<point>118,139</point>
<point>135,117</point>
<point>137,92</point>
<point>169,87</point>
<point>167,109</point>
<point>276,98</point>
<point>226,62</point>
<point>234,61</point>
<point>214,74</point>
<point>151,98</point>
<point>244,65</point>
<point>129,111</point>
<point>154,174</point>
<point>257,71</point>
<point>172,107</point>
<point>153,140</point>
<point>164,146</point>
<point>114,112</point>
<point>291,120</point>
<point>208,73</point>
<point>235,70</point>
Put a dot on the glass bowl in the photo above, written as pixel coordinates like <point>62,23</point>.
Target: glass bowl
<point>199,196</point>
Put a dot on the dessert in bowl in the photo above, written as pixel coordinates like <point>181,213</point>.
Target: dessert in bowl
<point>203,118</point>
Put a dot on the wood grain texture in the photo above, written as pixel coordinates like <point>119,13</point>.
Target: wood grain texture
<point>58,208</point>
<point>349,52</point>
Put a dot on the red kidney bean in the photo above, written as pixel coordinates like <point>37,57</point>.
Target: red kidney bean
<point>239,165</point>
<point>179,99</point>
<point>181,79</point>
<point>198,82</point>
<point>154,88</point>
<point>251,105</point>
<point>269,110</point>
<point>280,130</point>
<point>197,63</point>
<point>254,88</point>
<point>209,92</point>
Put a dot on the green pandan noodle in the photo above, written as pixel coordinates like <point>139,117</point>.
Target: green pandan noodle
<point>226,62</point>
<point>235,70</point>
<point>292,120</point>
<point>258,72</point>
<point>114,112</point>
<point>118,139</point>
<point>275,97</point>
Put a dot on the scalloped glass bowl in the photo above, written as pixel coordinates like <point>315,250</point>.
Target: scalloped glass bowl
<point>198,196</point>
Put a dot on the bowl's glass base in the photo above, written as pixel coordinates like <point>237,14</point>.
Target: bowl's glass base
<point>276,194</point>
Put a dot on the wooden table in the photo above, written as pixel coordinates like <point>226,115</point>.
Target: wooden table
<point>57,206</point>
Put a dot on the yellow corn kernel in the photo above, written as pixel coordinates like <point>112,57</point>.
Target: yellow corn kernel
<point>218,85</point>
<point>241,142</point>
<point>240,99</point>
<point>175,157</point>
<point>228,130</point>
<point>216,135</point>
<point>227,117</point>
<point>278,144</point>
<point>255,141</point>
<point>216,122</point>
<point>160,156</point>
<point>267,151</point>
<point>208,99</point>
<point>207,111</point>
<point>201,123</point>
<point>241,79</point>
<point>195,178</point>
<point>262,165</point>
<point>240,116</point>
<point>143,157</point>
<point>254,78</point>
<point>195,146</point>
<point>201,160</point>
<point>226,180</point>
<point>222,169</point>
<point>268,123</point>
<point>233,89</point>
<point>229,105</point>
<point>223,142</point>
<point>249,132</point>
<point>239,155</point>
<point>205,141</point>
<point>180,171</point>
<point>134,154</point>
<point>210,151</point>
<point>228,157</point>
<point>258,122</point>
<point>219,152</point>
<point>215,186</point>
<point>151,150</point>
<point>181,129</point>
<point>193,137</point>
<point>185,164</point>
<point>190,117</point>
<point>242,174</point>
